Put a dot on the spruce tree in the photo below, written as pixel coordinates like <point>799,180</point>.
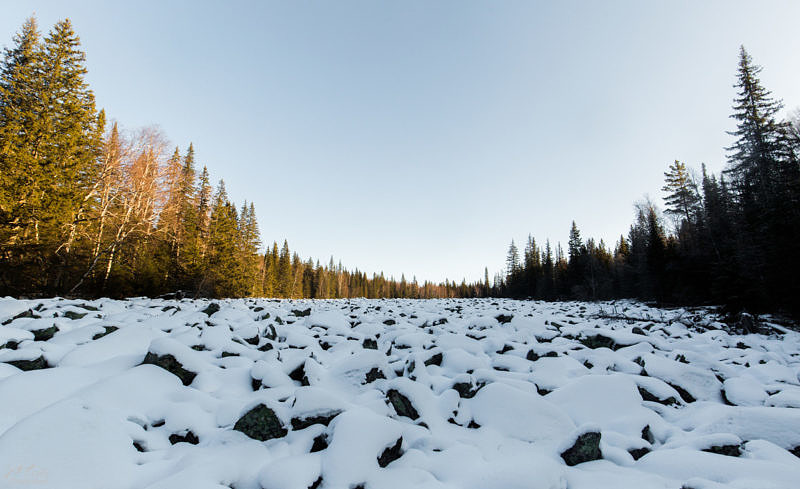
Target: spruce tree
<point>683,199</point>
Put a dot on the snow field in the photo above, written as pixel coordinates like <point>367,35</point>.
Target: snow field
<point>266,394</point>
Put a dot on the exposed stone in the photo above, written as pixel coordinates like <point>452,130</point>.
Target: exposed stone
<point>585,449</point>
<point>369,344</point>
<point>108,330</point>
<point>638,453</point>
<point>598,341</point>
<point>320,443</point>
<point>390,322</point>
<point>729,450</point>
<point>211,309</point>
<point>435,360</point>
<point>683,393</point>
<point>189,437</point>
<point>44,334</point>
<point>323,419</point>
<point>303,313</point>
<point>647,435</point>
<point>261,423</point>
<point>402,405</point>
<point>392,453</point>
<point>649,396</point>
<point>74,315</point>
<point>299,375</point>
<point>26,365</point>
<point>504,318</point>
<point>25,314</point>
<point>373,375</point>
<point>171,365</point>
<point>467,390</point>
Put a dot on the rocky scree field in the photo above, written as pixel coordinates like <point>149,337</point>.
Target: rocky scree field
<point>251,394</point>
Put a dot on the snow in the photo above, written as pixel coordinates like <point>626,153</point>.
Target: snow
<point>494,404</point>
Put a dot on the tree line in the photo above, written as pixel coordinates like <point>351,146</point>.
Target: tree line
<point>734,238</point>
<point>90,210</point>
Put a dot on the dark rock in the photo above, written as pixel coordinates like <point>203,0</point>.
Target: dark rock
<point>392,453</point>
<point>74,315</point>
<point>25,314</point>
<point>278,320</point>
<point>649,396</point>
<point>542,391</point>
<point>189,437</point>
<point>256,384</point>
<point>373,375</point>
<point>253,341</point>
<point>171,365</point>
<point>323,419</point>
<point>505,349</point>
<point>108,330</point>
<point>390,322</point>
<point>598,341</point>
<point>683,393</point>
<point>503,318</point>
<point>585,449</point>
<point>638,330</point>
<point>320,443</point>
<point>299,375</point>
<point>11,345</point>
<point>261,423</point>
<point>26,365</point>
<point>266,347</point>
<point>258,309</point>
<point>159,423</point>
<point>473,425</point>
<point>227,354</point>
<point>44,334</point>
<point>402,405</point>
<point>647,435</point>
<point>370,344</point>
<point>211,309</point>
<point>551,354</point>
<point>682,359</point>
<point>439,322</point>
<point>316,483</point>
<point>588,364</point>
<point>729,450</point>
<point>435,360</point>
<point>199,348</point>
<point>532,356</point>
<point>638,453</point>
<point>138,446</point>
<point>466,390</point>
<point>301,314</point>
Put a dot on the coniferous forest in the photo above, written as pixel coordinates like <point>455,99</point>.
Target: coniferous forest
<point>90,209</point>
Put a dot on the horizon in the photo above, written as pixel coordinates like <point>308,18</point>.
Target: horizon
<point>383,132</point>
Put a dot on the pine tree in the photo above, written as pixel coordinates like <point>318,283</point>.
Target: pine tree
<point>683,199</point>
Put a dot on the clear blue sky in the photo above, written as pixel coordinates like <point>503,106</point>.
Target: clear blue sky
<point>421,137</point>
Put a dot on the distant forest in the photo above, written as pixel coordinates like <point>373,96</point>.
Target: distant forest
<point>91,210</point>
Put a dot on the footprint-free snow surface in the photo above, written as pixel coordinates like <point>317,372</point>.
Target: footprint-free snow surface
<point>251,394</point>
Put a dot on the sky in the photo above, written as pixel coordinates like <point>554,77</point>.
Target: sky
<point>422,137</point>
